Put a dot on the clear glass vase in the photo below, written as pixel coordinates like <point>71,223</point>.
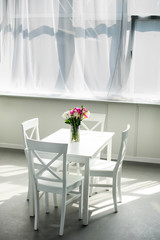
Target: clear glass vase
<point>75,133</point>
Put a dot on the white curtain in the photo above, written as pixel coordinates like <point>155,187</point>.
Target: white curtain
<point>81,49</point>
<point>62,48</point>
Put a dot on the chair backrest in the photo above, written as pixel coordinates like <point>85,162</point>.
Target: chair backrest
<point>94,122</point>
<point>37,149</point>
<point>122,150</point>
<point>30,129</point>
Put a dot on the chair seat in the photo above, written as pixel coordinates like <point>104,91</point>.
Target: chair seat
<point>99,164</point>
<point>102,168</point>
<point>72,182</point>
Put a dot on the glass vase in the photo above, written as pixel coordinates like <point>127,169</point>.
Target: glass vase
<point>75,133</point>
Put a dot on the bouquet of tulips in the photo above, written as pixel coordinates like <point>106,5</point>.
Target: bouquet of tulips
<point>75,116</point>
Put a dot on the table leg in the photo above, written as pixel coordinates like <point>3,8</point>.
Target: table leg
<point>109,150</point>
<point>109,156</point>
<point>86,193</point>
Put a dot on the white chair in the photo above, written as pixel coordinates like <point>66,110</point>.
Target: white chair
<point>111,169</point>
<point>95,122</point>
<point>48,180</point>
<point>30,130</point>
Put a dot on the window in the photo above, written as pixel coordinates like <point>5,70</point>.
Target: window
<point>88,49</point>
<point>145,73</point>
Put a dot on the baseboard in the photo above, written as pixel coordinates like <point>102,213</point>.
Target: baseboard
<point>11,146</point>
<point>136,159</point>
<point>114,156</point>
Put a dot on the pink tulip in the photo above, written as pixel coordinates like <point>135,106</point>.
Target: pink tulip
<point>72,112</point>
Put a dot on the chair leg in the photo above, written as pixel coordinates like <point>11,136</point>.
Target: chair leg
<point>63,213</point>
<point>28,193</point>
<point>80,202</point>
<point>114,192</point>
<point>28,196</point>
<point>79,173</point>
<point>55,200</point>
<point>31,198</point>
<point>46,202</point>
<point>119,187</point>
<point>29,186</point>
<point>91,188</point>
<point>36,203</point>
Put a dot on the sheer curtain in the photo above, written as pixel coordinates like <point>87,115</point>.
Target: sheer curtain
<point>63,48</point>
<point>81,49</point>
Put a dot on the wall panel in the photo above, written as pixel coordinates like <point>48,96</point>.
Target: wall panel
<point>144,137</point>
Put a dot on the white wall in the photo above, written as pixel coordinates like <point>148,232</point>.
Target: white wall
<point>144,137</point>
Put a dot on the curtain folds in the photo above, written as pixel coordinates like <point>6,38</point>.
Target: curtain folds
<point>74,49</point>
<point>61,48</point>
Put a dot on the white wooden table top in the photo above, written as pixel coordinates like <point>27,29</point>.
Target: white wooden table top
<point>91,142</point>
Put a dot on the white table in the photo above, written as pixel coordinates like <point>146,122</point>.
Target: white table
<point>91,143</point>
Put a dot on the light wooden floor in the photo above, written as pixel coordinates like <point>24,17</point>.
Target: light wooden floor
<point>138,217</point>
